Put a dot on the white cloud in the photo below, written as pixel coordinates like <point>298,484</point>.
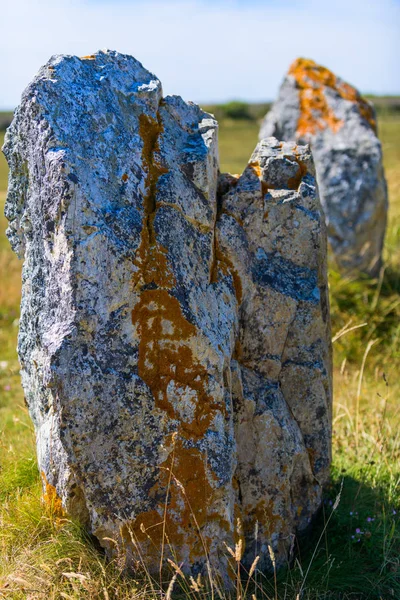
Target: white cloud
<point>208,51</point>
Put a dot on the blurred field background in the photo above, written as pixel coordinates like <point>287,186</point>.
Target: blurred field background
<point>354,551</point>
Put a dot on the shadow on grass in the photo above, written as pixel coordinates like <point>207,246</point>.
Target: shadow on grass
<point>356,555</point>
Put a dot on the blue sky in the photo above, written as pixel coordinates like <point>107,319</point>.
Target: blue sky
<point>208,50</point>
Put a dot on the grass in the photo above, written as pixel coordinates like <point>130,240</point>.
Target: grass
<point>354,550</point>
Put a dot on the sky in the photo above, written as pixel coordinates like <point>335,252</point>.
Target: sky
<point>207,50</point>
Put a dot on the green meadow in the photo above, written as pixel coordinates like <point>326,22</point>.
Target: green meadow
<point>354,550</point>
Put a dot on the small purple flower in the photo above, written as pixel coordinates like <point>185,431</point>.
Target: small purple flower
<point>351,513</point>
<point>7,388</point>
<point>358,530</point>
<point>394,512</point>
<point>370,519</point>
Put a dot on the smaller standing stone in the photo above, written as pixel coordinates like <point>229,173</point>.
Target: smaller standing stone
<point>271,228</point>
<point>314,106</point>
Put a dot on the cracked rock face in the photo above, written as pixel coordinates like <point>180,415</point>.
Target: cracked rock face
<point>174,334</point>
<point>316,107</point>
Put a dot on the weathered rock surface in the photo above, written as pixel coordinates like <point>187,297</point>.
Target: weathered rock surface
<point>174,334</point>
<point>316,107</point>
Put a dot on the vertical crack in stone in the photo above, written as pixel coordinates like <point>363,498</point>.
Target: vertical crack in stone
<point>221,263</point>
<point>151,258</point>
<point>150,130</point>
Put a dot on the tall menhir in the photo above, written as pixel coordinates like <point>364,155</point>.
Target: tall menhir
<point>174,335</point>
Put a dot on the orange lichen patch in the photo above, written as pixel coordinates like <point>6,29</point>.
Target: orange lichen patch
<point>348,92</point>
<point>294,182</point>
<point>255,167</point>
<point>147,526</point>
<point>51,499</point>
<point>315,113</point>
<point>152,261</point>
<point>308,72</point>
<point>191,485</point>
<point>165,356</point>
<point>263,512</point>
<point>125,177</point>
<point>184,496</point>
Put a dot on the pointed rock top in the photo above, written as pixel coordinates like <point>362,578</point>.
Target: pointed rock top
<point>316,111</point>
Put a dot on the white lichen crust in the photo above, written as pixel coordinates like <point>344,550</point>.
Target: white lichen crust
<point>316,107</point>
<point>174,334</point>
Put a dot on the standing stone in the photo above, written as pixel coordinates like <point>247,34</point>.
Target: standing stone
<point>174,339</point>
<point>316,107</point>
<point>272,229</point>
